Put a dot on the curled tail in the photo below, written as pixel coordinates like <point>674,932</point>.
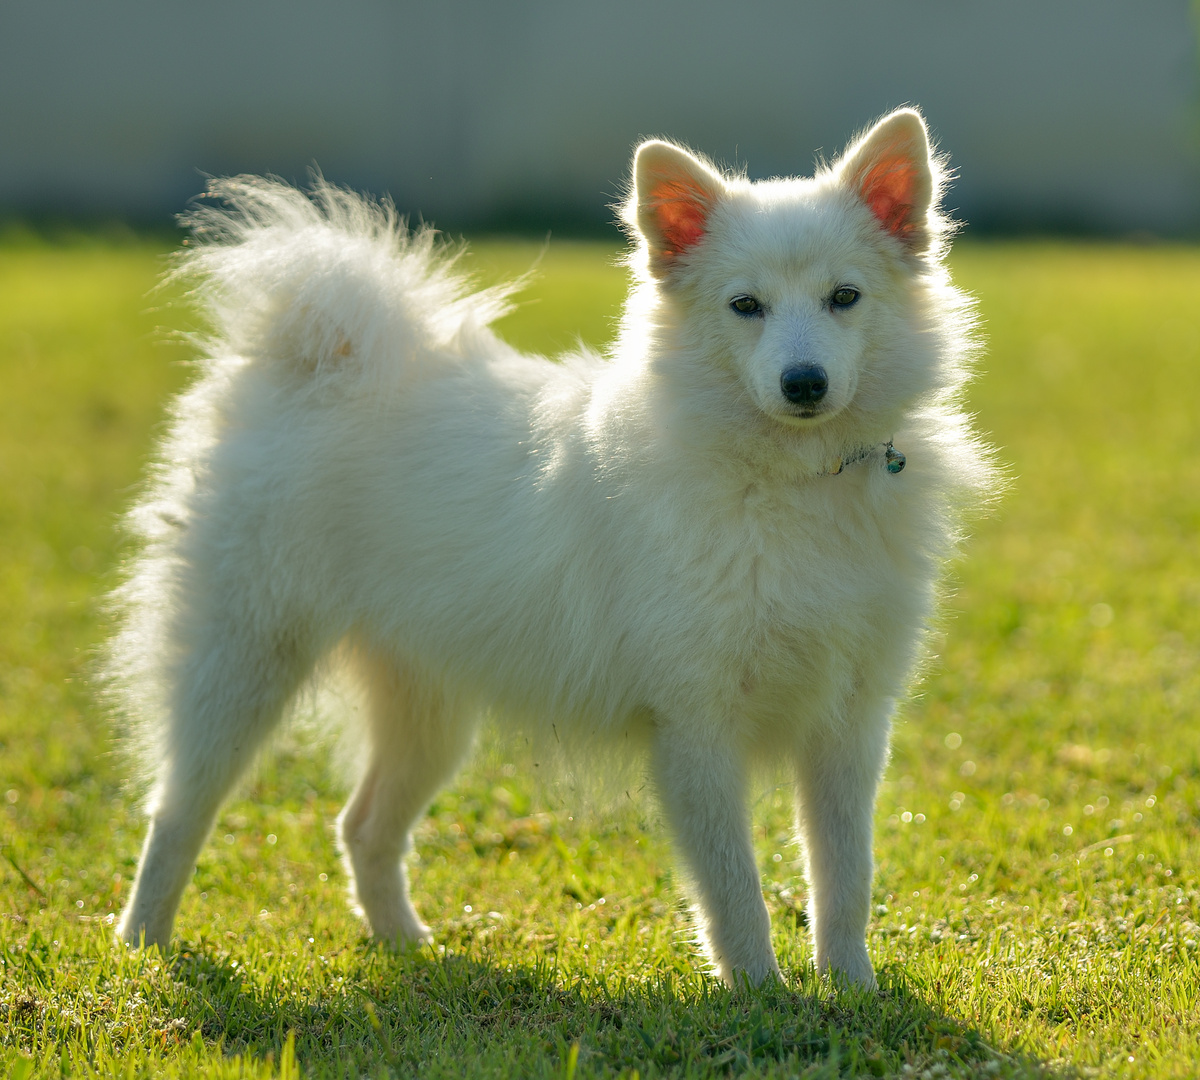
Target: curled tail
<point>305,293</point>
<point>326,282</point>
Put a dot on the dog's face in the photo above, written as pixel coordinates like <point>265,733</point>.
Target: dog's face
<point>791,281</point>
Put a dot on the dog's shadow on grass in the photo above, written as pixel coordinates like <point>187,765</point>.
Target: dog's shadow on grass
<point>455,1015</point>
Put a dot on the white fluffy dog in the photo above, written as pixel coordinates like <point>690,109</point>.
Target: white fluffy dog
<point>706,543</point>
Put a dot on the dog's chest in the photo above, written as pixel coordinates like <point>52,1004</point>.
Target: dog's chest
<point>819,595</point>
<point>825,542</point>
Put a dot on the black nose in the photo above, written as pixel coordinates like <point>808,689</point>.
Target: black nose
<point>804,385</point>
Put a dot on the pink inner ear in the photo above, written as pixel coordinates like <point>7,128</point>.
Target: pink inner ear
<point>681,211</point>
<point>888,188</point>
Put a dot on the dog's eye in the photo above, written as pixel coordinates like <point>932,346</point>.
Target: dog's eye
<point>745,305</point>
<point>843,296</point>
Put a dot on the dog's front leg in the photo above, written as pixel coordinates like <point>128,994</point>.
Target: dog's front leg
<point>838,773</point>
<point>701,781</point>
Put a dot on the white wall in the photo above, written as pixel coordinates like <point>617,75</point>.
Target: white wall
<point>1068,112</point>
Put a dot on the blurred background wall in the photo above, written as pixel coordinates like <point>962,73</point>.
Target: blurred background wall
<point>1071,115</point>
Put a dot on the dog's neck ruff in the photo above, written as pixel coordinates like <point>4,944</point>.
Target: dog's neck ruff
<point>893,459</point>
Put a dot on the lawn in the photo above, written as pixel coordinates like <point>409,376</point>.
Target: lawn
<point>1037,896</point>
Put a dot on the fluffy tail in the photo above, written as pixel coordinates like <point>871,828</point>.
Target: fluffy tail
<point>326,282</point>
<point>319,291</point>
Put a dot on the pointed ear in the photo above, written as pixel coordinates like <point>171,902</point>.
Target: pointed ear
<point>673,195</point>
<point>891,170</point>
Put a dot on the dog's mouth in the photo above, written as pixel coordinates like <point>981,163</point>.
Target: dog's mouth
<point>805,414</point>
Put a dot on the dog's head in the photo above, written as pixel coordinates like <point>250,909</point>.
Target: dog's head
<point>803,286</point>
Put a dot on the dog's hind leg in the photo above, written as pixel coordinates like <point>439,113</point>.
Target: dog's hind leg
<point>701,781</point>
<point>416,738</point>
<point>837,778</point>
<point>227,697</point>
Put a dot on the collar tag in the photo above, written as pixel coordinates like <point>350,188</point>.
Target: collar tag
<point>893,460</point>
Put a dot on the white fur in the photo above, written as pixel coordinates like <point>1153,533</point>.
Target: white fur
<point>649,544</point>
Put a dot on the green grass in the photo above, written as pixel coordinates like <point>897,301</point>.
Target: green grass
<point>1037,897</point>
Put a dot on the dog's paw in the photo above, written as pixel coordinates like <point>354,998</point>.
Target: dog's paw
<point>755,973</point>
<point>144,924</point>
<point>139,936</point>
<point>850,967</point>
<point>402,930</point>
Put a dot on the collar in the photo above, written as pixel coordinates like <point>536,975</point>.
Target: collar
<point>893,459</point>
